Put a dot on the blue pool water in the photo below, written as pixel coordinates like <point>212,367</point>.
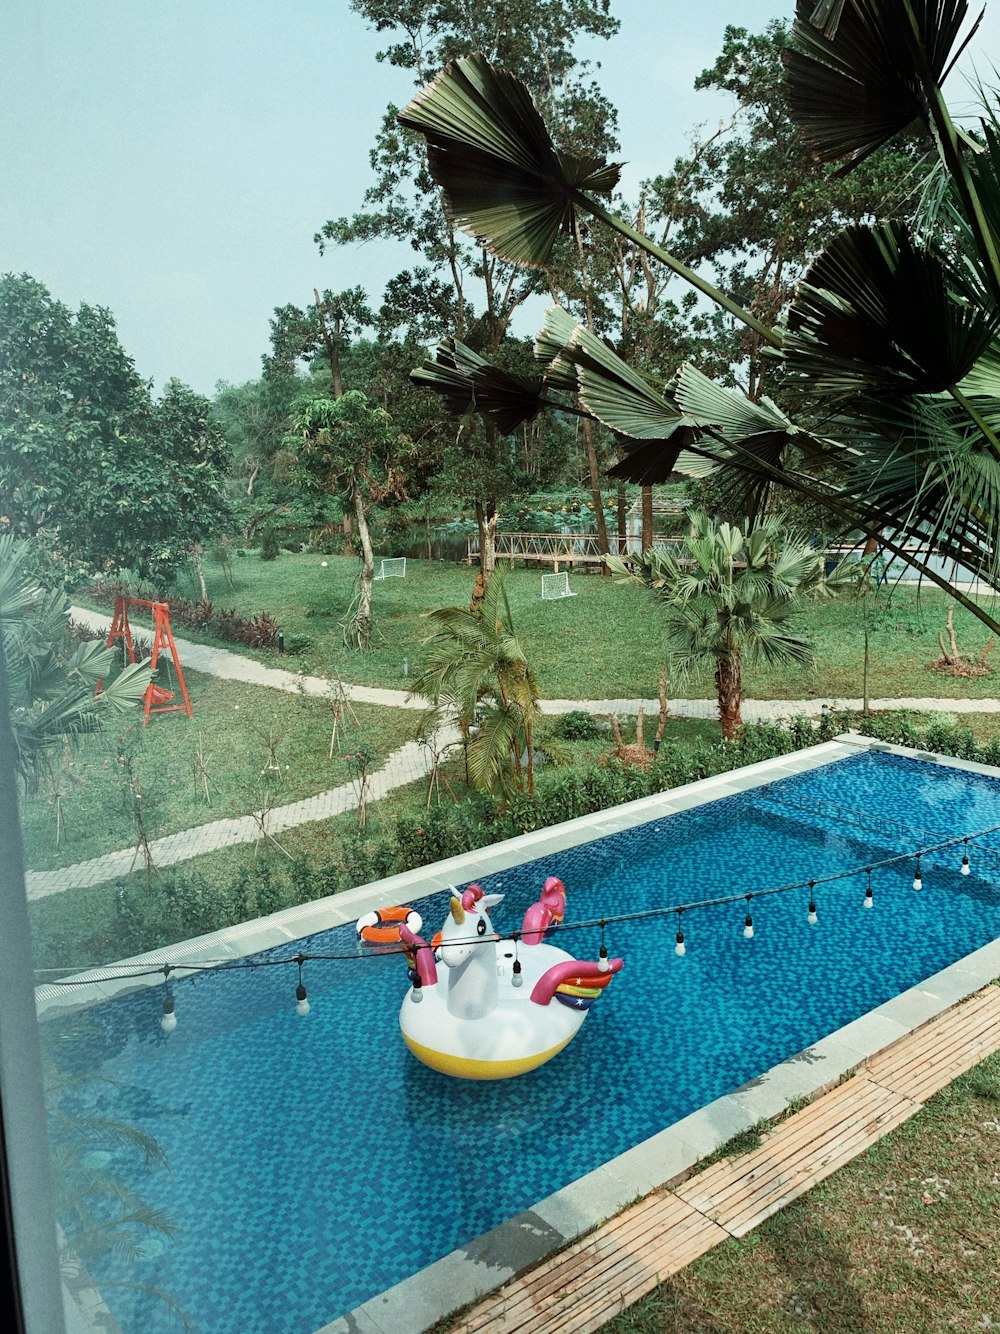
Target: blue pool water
<point>312,1162</point>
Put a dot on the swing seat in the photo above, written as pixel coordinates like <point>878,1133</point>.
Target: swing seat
<point>159,694</point>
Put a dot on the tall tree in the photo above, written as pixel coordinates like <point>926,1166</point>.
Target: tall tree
<point>190,505</point>
<point>346,445</point>
<point>457,289</point>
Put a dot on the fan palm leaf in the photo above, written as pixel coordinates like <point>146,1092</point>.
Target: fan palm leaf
<point>877,313</point>
<point>489,149</point>
<point>469,383</point>
<point>855,70</point>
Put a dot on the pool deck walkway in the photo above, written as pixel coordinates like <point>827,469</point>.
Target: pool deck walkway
<point>577,1290</point>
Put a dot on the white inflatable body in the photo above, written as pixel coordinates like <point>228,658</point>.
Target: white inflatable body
<point>516,1036</point>
<point>495,1008</point>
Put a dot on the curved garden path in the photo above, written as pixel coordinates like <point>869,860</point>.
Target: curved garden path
<point>408,764</point>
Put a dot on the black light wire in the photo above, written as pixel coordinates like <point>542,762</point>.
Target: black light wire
<point>588,923</point>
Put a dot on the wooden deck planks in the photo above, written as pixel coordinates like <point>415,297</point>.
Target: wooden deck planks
<point>930,1058</point>
<point>632,1253</point>
<point>579,1289</point>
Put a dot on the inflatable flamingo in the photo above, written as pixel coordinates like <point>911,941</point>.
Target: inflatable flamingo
<point>496,1008</point>
<point>547,913</point>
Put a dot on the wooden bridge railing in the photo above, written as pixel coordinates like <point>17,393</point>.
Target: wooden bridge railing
<point>555,549</point>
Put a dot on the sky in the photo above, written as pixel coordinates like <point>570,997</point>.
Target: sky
<point>173,162</point>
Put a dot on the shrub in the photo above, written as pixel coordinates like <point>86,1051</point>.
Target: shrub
<point>577,725</point>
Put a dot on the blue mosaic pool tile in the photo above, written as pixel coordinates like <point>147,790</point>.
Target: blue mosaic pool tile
<point>313,1162</point>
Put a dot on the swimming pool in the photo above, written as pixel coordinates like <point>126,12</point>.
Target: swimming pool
<point>313,1162</point>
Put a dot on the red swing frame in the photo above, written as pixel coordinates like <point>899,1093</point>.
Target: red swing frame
<point>157,699</point>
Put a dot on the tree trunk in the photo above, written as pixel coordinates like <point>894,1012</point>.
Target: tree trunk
<point>622,533</point>
<point>199,566</point>
<point>348,535</point>
<point>729,689</point>
<point>486,518</point>
<point>364,616</point>
<point>595,490</point>
<point>647,518</point>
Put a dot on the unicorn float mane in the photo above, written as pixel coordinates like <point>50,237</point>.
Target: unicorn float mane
<point>467,951</point>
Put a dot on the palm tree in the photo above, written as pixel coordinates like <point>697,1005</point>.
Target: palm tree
<point>51,695</point>
<point>729,596</point>
<point>477,671</point>
<point>892,341</point>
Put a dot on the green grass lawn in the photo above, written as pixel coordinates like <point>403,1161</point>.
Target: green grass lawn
<point>603,643</point>
<point>232,725</point>
<point>901,1241</point>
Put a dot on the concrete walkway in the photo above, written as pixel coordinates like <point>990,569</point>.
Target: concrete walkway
<point>235,667</point>
<point>409,764</point>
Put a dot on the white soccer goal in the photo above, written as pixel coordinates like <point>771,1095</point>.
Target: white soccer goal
<point>556,586</point>
<point>393,568</point>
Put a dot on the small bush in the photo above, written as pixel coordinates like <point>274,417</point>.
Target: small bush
<point>577,725</point>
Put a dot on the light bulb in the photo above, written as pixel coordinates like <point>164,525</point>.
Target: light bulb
<point>917,882</point>
<point>812,919</point>
<point>602,959</point>
<point>869,901</point>
<point>748,927</point>
<point>966,868</point>
<point>301,1000</point>
<point>680,949</point>
<point>169,1021</point>
<point>516,979</point>
<point>417,994</point>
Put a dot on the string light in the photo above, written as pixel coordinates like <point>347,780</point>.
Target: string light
<point>602,953</point>
<point>516,979</point>
<point>301,997</point>
<point>168,1021</point>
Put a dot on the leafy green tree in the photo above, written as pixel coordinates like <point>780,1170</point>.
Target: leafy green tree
<point>889,340</point>
<point>189,505</point>
<point>51,692</point>
<point>729,597</point>
<point>476,670</point>
<point>89,465</point>
<point>347,445</point>
<point>456,289</point>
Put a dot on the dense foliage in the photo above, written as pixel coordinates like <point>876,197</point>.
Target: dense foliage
<point>90,464</point>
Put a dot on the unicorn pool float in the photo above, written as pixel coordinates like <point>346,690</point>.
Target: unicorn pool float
<point>482,1007</point>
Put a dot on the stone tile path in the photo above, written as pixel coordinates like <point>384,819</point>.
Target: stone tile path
<point>408,764</point>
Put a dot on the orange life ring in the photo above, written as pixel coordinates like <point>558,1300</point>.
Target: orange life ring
<point>381,927</point>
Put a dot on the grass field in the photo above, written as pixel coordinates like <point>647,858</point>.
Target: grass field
<point>901,1241</point>
<point>94,786</point>
<point>603,643</point>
